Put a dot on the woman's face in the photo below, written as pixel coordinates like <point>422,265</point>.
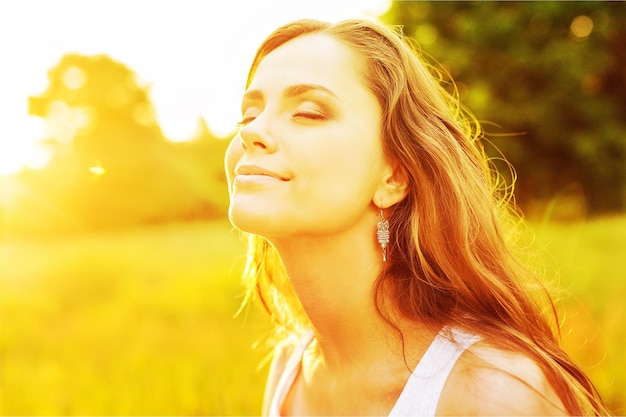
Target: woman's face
<point>308,157</point>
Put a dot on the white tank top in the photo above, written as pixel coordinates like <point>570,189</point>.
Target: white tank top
<point>420,395</point>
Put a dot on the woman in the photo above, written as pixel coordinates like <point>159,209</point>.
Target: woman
<point>377,240</point>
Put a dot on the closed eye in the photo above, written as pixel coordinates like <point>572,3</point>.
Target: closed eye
<point>245,120</point>
<point>309,115</point>
<point>248,116</point>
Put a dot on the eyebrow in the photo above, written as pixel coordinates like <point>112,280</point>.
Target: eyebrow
<point>291,91</point>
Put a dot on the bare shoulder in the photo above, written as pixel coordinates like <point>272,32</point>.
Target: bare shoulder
<point>491,381</point>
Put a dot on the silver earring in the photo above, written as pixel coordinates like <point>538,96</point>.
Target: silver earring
<point>382,231</point>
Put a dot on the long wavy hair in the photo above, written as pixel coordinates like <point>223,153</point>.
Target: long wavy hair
<point>451,260</point>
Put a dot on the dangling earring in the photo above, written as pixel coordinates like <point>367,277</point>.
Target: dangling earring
<point>382,231</point>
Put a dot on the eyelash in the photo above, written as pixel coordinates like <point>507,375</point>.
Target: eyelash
<point>305,114</point>
<point>245,121</point>
<point>309,115</point>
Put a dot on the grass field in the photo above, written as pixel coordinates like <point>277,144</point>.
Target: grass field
<point>140,322</point>
<point>137,322</point>
<point>591,261</point>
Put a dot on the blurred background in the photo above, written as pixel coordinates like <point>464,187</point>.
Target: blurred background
<point>119,274</point>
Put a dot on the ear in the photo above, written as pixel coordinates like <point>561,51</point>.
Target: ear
<point>393,187</point>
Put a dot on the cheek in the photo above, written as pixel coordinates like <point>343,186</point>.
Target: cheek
<point>345,179</point>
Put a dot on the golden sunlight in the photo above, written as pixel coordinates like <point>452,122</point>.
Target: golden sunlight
<point>196,68</point>
<point>97,170</point>
<point>19,150</point>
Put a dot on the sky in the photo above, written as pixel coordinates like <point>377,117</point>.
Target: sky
<point>194,55</point>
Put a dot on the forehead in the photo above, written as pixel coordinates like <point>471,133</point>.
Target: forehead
<point>311,59</point>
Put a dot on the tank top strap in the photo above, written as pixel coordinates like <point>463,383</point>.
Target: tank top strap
<point>289,374</point>
<point>420,396</point>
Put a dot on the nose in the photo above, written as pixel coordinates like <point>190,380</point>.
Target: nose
<point>257,137</point>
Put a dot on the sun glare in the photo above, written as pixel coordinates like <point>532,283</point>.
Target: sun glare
<point>97,170</point>
<point>222,111</point>
<point>195,69</point>
<point>19,150</point>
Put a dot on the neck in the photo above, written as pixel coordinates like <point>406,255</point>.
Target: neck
<point>333,277</point>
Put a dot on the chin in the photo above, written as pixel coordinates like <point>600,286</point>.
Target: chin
<point>250,222</point>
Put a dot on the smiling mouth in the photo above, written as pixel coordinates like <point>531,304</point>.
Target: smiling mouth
<point>255,180</point>
<point>254,172</point>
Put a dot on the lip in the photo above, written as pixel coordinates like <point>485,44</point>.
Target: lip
<point>255,172</point>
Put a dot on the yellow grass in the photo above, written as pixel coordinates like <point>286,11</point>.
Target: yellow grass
<point>137,322</point>
<point>591,261</point>
<point>140,321</point>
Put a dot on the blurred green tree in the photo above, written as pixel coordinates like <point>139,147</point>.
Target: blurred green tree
<point>552,72</point>
<point>112,166</point>
<point>98,105</point>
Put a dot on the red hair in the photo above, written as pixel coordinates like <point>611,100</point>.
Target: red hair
<point>450,261</point>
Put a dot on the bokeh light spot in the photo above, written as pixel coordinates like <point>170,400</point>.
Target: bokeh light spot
<point>63,121</point>
<point>581,26</point>
<point>426,34</point>
<point>74,78</point>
